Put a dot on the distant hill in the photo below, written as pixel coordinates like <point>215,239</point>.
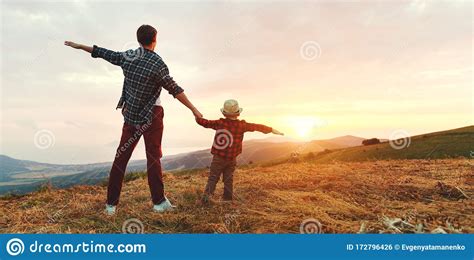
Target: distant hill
<point>19,176</point>
<point>254,151</point>
<point>10,166</point>
<point>445,144</point>
<point>347,140</point>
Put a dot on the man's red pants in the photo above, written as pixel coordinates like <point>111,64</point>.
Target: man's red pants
<point>152,133</point>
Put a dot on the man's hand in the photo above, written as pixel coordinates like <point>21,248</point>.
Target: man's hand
<point>197,114</point>
<point>274,131</point>
<point>78,46</point>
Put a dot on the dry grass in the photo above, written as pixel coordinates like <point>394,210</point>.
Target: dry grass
<point>273,199</point>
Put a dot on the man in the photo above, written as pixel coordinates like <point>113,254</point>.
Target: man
<point>145,76</point>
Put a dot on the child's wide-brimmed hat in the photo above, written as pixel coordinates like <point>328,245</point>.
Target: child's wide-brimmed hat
<point>231,108</point>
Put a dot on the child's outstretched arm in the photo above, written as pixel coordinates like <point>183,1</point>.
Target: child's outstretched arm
<point>249,127</point>
<point>214,124</point>
<point>276,132</point>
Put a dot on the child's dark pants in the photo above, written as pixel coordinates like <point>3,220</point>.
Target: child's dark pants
<point>225,167</point>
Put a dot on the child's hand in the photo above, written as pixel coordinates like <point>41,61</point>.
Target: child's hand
<point>72,44</point>
<point>274,131</point>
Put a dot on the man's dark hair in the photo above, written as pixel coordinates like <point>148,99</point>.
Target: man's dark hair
<point>145,34</point>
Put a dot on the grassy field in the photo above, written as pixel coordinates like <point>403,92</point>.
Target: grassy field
<point>446,144</point>
<point>389,196</point>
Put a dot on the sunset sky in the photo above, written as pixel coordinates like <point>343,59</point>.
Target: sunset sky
<point>312,69</point>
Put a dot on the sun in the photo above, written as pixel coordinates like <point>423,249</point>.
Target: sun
<point>303,127</point>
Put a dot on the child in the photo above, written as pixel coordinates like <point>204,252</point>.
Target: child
<point>227,146</point>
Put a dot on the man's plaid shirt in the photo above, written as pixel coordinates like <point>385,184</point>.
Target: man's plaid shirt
<point>145,74</point>
<point>229,135</point>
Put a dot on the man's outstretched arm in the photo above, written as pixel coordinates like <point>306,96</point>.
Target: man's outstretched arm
<point>79,46</point>
<point>185,101</point>
<point>167,82</point>
<point>113,57</point>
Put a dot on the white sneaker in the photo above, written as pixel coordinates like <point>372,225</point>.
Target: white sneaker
<point>163,206</point>
<point>109,209</point>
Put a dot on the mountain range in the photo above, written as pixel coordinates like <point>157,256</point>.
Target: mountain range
<point>23,176</point>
